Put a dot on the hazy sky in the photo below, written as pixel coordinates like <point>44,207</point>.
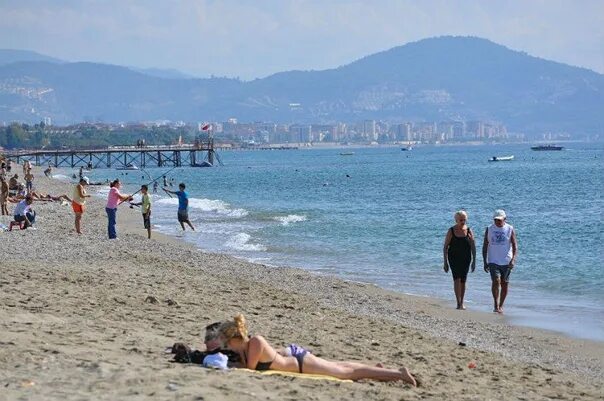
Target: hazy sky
<point>255,38</point>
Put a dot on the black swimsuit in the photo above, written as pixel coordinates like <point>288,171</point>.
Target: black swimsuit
<point>460,255</point>
<point>260,365</point>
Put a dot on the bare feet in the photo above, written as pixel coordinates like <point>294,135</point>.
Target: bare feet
<point>408,377</point>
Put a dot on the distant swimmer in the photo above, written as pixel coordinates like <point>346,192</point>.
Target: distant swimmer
<point>499,251</point>
<point>347,176</point>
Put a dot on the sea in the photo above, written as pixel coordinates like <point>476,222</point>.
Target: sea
<point>380,215</point>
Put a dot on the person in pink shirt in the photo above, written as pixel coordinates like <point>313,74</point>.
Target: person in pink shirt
<point>113,200</point>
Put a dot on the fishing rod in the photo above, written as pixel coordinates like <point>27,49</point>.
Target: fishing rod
<point>152,181</point>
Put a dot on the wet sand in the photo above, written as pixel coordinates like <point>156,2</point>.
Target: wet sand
<point>76,322</point>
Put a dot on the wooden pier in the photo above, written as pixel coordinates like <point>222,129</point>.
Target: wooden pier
<point>119,156</point>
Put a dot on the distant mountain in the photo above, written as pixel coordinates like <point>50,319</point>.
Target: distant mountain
<point>8,56</point>
<point>438,79</point>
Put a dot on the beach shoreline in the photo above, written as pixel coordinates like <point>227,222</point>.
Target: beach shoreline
<point>75,307</point>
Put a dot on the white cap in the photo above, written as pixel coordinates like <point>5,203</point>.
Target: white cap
<point>499,214</point>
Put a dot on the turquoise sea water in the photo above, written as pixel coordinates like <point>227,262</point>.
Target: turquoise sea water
<point>381,215</point>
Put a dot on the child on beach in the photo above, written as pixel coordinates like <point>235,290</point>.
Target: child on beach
<point>256,353</point>
<point>183,205</point>
<point>145,204</point>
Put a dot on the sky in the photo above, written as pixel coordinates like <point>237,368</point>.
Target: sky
<point>252,39</point>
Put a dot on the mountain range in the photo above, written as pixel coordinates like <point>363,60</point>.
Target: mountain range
<point>436,79</point>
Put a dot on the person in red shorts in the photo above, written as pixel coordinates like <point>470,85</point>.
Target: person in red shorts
<point>78,202</point>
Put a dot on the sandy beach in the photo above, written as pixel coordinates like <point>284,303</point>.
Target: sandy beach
<point>76,323</point>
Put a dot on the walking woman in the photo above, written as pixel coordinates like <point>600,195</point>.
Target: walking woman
<point>113,200</point>
<point>459,251</point>
<point>256,353</point>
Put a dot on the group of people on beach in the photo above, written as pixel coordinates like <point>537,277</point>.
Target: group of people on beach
<point>499,252</point>
<point>13,191</point>
<point>22,194</point>
<point>116,198</point>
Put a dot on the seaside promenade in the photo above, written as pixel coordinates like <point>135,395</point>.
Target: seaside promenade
<point>76,322</point>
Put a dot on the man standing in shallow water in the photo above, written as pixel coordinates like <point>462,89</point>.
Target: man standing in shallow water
<point>183,205</point>
<point>499,251</point>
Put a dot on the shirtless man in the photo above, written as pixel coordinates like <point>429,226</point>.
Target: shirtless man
<point>3,196</point>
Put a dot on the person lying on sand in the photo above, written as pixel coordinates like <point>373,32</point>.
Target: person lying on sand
<point>40,196</point>
<point>256,353</point>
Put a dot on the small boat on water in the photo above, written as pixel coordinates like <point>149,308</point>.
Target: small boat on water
<point>407,148</point>
<point>501,158</point>
<point>128,167</point>
<point>547,147</point>
<point>346,153</point>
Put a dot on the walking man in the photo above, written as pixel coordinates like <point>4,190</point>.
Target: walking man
<point>183,205</point>
<point>499,251</point>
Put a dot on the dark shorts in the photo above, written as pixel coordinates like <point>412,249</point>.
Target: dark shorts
<point>183,216</point>
<point>147,220</point>
<point>499,271</point>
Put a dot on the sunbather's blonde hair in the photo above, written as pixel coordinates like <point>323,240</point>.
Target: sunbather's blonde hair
<point>234,329</point>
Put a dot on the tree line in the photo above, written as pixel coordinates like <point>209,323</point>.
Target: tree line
<point>40,136</point>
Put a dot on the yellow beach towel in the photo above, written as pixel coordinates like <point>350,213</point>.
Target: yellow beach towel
<point>294,374</point>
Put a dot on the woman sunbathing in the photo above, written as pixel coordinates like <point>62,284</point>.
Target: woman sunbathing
<point>256,353</point>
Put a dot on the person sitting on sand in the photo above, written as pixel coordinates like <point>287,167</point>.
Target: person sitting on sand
<point>24,213</point>
<point>13,182</point>
<point>256,353</point>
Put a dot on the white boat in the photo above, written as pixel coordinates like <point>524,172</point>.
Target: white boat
<point>407,148</point>
<point>501,158</point>
<point>128,167</point>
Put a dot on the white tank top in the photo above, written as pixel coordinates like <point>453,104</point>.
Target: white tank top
<point>500,244</point>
